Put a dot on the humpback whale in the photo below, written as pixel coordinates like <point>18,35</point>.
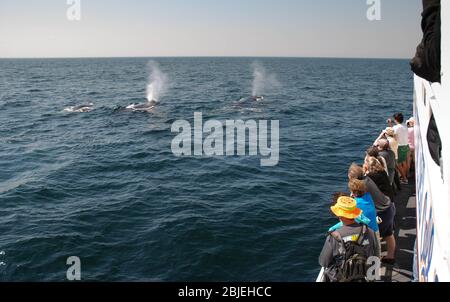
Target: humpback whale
<point>143,107</point>
<point>255,98</point>
<point>80,108</point>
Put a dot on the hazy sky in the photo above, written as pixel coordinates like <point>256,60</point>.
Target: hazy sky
<point>319,28</point>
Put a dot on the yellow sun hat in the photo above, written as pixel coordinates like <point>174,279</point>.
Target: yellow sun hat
<point>346,208</point>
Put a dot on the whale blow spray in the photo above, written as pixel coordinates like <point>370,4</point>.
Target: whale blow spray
<point>157,83</point>
<point>263,81</point>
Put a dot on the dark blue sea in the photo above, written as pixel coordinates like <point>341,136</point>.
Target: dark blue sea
<point>105,186</point>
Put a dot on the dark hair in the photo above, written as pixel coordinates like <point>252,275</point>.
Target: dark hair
<point>374,165</point>
<point>338,195</point>
<point>373,151</point>
<point>355,172</point>
<point>399,118</point>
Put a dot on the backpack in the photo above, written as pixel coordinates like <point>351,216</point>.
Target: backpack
<point>350,264</point>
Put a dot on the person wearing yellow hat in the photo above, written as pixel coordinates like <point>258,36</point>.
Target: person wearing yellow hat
<point>353,240</point>
<point>346,209</point>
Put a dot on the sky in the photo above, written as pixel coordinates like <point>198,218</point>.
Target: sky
<point>166,28</point>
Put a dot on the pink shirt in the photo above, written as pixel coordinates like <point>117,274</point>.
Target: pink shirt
<point>412,146</point>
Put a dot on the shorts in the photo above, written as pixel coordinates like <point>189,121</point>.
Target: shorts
<point>387,225</point>
<point>403,154</point>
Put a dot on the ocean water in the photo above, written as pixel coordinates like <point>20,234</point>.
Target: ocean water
<point>105,186</point>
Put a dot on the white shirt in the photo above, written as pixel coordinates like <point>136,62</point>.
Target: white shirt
<point>401,131</point>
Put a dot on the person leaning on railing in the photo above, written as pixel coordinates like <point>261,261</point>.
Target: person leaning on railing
<point>375,171</point>
<point>374,152</point>
<point>389,157</point>
<point>390,136</point>
<point>385,209</point>
<point>364,201</point>
<point>386,212</point>
<point>401,134</point>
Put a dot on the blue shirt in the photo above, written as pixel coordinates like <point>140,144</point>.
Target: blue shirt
<point>367,205</point>
<point>361,220</point>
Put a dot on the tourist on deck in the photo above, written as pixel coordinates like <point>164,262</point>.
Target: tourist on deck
<point>384,206</point>
<point>392,139</point>
<point>373,152</point>
<point>401,133</point>
<point>360,219</point>
<point>389,158</point>
<point>389,134</point>
<point>411,140</point>
<point>364,201</point>
<point>375,171</point>
<point>332,257</point>
<point>381,200</point>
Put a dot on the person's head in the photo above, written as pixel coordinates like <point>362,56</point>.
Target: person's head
<point>383,144</point>
<point>357,187</point>
<point>374,165</point>
<point>373,152</point>
<point>346,210</point>
<point>355,172</point>
<point>390,132</point>
<point>398,118</point>
<point>336,197</point>
<point>411,122</point>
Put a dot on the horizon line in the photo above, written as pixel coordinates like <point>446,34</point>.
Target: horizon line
<point>232,56</point>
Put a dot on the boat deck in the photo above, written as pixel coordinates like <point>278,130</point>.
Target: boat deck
<point>405,235</point>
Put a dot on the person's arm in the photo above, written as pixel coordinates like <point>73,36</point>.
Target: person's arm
<point>336,227</point>
<point>363,219</point>
<point>365,169</point>
<point>379,137</point>
<point>389,190</point>
<point>390,123</point>
<point>377,251</point>
<point>375,244</point>
<point>326,256</point>
<point>384,164</point>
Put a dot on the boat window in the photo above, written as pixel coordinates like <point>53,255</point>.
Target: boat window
<point>434,141</point>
